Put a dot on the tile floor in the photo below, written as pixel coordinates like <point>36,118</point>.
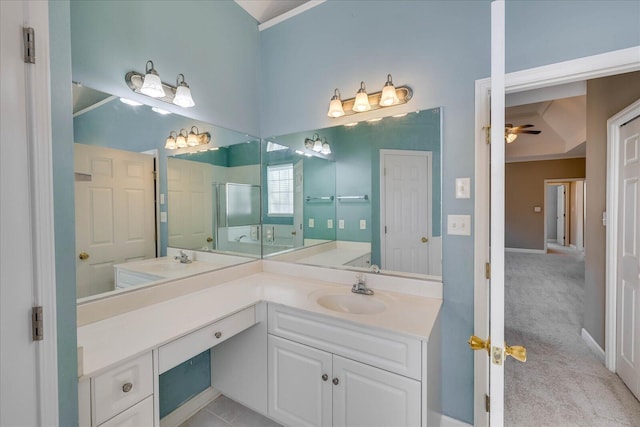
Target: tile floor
<point>224,412</point>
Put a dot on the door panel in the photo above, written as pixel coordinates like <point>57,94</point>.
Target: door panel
<point>115,213</point>
<point>368,397</point>
<point>560,218</point>
<point>628,263</point>
<point>298,395</point>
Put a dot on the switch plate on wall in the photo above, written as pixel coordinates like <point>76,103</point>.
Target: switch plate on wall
<point>363,224</point>
<point>329,223</point>
<point>162,198</point>
<point>459,225</point>
<point>163,217</point>
<point>341,224</point>
<point>312,223</point>
<point>463,188</point>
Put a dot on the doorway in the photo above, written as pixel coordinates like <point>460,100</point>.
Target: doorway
<point>564,212</point>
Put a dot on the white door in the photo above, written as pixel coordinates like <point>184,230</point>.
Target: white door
<point>190,200</point>
<point>560,214</point>
<point>115,213</point>
<point>298,205</point>
<point>405,207</point>
<point>628,263</point>
<point>364,396</point>
<point>299,384</point>
<point>28,369</point>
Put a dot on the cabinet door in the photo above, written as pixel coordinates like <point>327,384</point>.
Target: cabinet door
<point>299,395</point>
<point>366,396</point>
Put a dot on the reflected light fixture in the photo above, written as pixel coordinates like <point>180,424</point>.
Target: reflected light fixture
<point>183,93</point>
<point>317,144</point>
<point>152,85</point>
<point>171,141</point>
<point>352,124</point>
<point>389,96</point>
<point>181,140</point>
<point>361,103</point>
<point>130,102</point>
<point>326,149</point>
<point>193,138</point>
<point>335,106</point>
<point>160,111</point>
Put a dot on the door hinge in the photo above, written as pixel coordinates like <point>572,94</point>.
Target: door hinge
<point>385,229</point>
<point>487,130</point>
<point>37,323</point>
<point>155,175</point>
<point>487,270</point>
<point>29,42</point>
<point>487,403</point>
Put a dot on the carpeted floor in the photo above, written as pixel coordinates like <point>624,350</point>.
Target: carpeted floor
<point>562,383</point>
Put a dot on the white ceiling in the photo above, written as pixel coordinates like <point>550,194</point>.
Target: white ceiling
<point>563,123</point>
<point>264,10</point>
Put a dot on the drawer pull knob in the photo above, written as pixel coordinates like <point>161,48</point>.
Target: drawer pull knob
<point>336,381</point>
<point>325,377</point>
<point>126,387</point>
<point>217,334</point>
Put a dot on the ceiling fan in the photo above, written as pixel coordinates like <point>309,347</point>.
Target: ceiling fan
<point>511,132</point>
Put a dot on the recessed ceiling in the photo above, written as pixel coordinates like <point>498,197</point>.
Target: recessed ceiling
<point>264,10</point>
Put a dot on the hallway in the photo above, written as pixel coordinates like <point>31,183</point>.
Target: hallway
<point>562,383</point>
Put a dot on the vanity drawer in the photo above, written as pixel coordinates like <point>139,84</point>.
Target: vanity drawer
<point>122,387</point>
<point>182,349</point>
<point>385,350</point>
<point>141,415</point>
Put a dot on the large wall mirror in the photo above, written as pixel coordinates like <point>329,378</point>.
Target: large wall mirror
<point>135,199</point>
<point>362,197</point>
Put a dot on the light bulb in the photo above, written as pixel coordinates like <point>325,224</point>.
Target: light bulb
<point>317,145</point>
<point>510,137</point>
<point>152,85</point>
<point>389,96</point>
<point>362,100</point>
<point>193,139</point>
<point>183,94</point>
<point>171,142</point>
<point>181,140</point>
<point>326,149</point>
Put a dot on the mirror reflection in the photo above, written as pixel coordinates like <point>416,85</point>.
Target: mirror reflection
<point>376,202</point>
<point>137,202</point>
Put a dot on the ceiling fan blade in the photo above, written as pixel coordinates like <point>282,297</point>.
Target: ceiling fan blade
<point>508,125</point>
<point>533,132</point>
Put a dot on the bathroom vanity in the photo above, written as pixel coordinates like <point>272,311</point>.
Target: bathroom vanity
<point>298,350</point>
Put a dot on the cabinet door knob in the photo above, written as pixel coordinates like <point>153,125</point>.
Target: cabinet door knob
<point>336,381</point>
<point>126,387</point>
<point>325,377</point>
<point>217,334</point>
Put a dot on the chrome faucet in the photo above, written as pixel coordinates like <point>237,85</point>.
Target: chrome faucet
<point>240,238</point>
<point>359,287</point>
<point>183,257</point>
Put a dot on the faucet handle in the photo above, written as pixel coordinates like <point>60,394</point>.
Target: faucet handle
<point>360,278</point>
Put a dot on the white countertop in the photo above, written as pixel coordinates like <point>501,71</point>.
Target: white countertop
<point>109,341</point>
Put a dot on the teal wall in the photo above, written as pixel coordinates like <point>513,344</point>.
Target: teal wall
<point>319,180</point>
<point>439,49</point>
<point>183,382</point>
<point>64,211</point>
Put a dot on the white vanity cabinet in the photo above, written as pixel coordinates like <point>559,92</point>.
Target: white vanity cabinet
<point>328,372</point>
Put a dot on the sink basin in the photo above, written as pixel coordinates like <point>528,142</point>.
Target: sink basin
<point>352,303</point>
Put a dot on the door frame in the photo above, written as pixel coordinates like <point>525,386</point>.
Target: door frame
<point>613,196</point>
<point>428,155</point>
<point>556,181</point>
<point>590,67</point>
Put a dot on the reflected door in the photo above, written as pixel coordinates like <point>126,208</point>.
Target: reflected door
<point>298,185</point>
<point>405,206</point>
<point>115,213</point>
<point>628,263</point>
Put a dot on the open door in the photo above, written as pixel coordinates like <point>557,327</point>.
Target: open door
<point>494,344</point>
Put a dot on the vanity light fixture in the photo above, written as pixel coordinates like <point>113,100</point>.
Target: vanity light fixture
<point>171,141</point>
<point>326,149</point>
<point>389,96</point>
<point>193,138</point>
<point>181,140</point>
<point>150,84</point>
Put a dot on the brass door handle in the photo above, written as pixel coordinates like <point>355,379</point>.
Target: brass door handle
<point>518,352</point>
<point>424,240</point>
<point>293,233</point>
<point>477,343</point>
<point>83,256</point>
<point>209,239</point>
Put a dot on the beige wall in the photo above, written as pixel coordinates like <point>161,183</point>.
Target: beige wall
<point>605,97</point>
<point>524,189</point>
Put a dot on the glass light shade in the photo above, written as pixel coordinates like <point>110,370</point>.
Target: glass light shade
<point>510,137</point>
<point>388,96</point>
<point>192,139</point>
<point>335,108</point>
<point>362,102</point>
<point>152,85</point>
<point>326,149</point>
<point>181,141</point>
<point>183,96</point>
<point>317,145</point>
<point>171,143</point>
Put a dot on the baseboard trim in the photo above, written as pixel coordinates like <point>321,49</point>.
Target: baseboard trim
<point>593,345</point>
<point>452,422</point>
<point>190,408</point>
<point>526,251</point>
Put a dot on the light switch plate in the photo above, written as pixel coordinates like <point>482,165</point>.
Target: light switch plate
<point>463,188</point>
<point>162,198</point>
<point>163,217</point>
<point>312,222</point>
<point>329,223</point>
<point>341,224</point>
<point>537,209</point>
<point>363,224</point>
<point>459,225</point>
